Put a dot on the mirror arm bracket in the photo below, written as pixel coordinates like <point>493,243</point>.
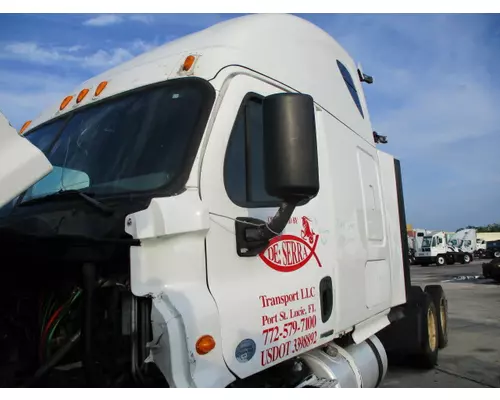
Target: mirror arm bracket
<point>253,235</point>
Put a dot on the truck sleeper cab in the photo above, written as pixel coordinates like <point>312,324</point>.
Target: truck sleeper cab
<point>217,213</point>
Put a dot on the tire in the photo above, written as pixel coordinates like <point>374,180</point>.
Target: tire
<point>440,261</point>
<point>441,303</point>
<point>486,271</point>
<point>406,340</point>
<point>496,254</point>
<point>427,356</point>
<point>466,258</point>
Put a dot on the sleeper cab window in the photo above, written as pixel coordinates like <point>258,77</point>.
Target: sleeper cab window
<point>350,86</point>
<point>244,160</point>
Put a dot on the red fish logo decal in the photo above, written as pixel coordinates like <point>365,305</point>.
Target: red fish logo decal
<point>288,253</point>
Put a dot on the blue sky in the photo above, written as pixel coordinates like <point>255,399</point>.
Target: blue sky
<point>436,92</point>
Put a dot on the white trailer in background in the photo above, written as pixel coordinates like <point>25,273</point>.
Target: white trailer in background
<point>218,215</point>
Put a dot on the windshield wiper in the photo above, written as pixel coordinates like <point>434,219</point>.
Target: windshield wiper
<point>71,193</point>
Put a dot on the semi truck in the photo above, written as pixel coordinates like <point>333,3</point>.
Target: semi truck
<point>415,239</point>
<point>442,248</point>
<point>213,213</point>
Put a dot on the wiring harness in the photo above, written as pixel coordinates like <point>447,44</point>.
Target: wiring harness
<point>51,317</point>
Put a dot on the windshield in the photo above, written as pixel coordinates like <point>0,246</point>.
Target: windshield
<point>427,241</point>
<point>138,142</point>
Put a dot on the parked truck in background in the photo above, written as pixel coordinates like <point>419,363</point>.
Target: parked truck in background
<point>415,238</point>
<point>213,213</point>
<point>492,249</point>
<point>441,248</point>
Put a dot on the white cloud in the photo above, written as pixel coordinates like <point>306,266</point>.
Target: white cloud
<point>141,46</point>
<point>103,58</point>
<point>32,52</point>
<point>145,19</point>
<point>104,20</point>
<point>75,48</point>
<point>113,19</point>
<point>23,96</point>
<point>98,59</point>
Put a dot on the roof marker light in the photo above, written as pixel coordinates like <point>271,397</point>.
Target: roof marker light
<point>81,95</point>
<point>100,88</point>
<point>24,127</point>
<point>65,102</point>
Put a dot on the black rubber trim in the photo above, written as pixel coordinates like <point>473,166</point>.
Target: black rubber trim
<point>326,334</point>
<point>402,226</point>
<point>379,361</point>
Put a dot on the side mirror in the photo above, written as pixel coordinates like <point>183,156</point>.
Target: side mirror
<point>290,166</point>
<point>290,147</point>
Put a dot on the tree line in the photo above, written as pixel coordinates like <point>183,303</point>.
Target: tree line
<point>487,228</point>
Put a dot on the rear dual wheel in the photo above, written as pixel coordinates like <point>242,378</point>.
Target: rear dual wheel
<point>438,297</point>
<point>429,336</point>
<point>416,338</point>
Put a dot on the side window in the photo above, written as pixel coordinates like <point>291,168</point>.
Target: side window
<point>350,85</point>
<point>244,161</point>
<point>440,240</point>
<point>433,241</point>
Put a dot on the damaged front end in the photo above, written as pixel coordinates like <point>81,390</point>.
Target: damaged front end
<point>68,316</point>
<point>93,287</point>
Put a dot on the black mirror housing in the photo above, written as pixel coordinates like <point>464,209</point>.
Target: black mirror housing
<point>290,147</point>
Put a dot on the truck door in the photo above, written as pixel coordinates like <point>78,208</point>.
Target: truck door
<point>441,243</point>
<point>280,303</point>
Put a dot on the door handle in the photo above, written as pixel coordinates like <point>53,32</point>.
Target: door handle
<point>326,298</point>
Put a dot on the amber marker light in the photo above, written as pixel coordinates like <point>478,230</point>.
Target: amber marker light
<point>65,102</point>
<point>100,88</point>
<point>188,63</point>
<point>81,95</point>
<point>205,345</point>
<point>24,127</point>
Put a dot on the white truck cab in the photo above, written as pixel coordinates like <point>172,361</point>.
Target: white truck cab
<point>212,213</point>
<point>441,248</point>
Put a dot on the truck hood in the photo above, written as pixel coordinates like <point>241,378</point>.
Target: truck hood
<point>21,163</point>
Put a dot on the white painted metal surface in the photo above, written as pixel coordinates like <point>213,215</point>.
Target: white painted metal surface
<point>21,163</point>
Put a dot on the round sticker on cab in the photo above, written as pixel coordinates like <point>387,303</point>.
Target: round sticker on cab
<point>245,350</point>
